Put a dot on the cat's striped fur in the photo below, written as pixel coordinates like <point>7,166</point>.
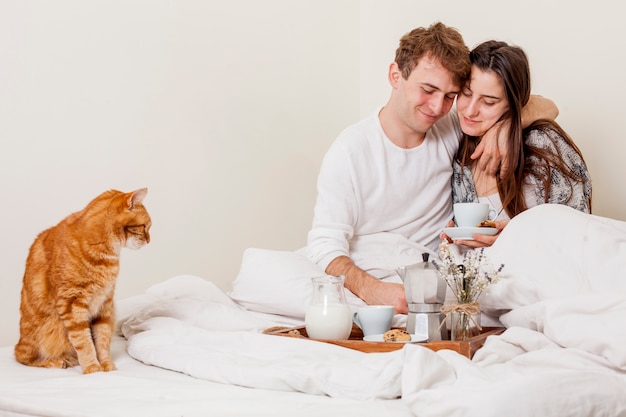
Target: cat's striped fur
<point>67,311</point>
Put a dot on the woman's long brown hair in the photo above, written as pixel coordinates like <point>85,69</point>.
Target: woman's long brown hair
<point>511,65</point>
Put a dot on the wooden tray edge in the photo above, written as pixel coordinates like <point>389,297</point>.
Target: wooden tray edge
<point>466,348</point>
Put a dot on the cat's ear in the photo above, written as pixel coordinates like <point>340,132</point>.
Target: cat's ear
<point>137,197</point>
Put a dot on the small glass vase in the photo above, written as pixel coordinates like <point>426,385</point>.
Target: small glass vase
<point>464,323</point>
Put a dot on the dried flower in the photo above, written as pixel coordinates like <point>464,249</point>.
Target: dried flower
<point>469,279</point>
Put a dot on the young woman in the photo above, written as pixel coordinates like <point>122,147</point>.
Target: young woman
<point>544,164</point>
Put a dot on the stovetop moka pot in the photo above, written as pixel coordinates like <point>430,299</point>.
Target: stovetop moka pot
<point>425,293</point>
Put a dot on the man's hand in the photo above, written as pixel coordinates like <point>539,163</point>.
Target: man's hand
<point>538,107</point>
<point>388,294</point>
<point>493,149</point>
<point>368,288</point>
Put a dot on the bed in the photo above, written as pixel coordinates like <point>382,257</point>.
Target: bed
<point>186,348</point>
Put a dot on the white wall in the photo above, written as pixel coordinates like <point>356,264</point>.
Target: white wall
<point>224,110</point>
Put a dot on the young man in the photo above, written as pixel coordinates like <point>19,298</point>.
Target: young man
<point>390,174</point>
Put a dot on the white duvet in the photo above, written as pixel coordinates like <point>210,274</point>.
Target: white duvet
<point>562,297</point>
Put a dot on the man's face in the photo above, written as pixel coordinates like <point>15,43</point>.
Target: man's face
<point>426,96</point>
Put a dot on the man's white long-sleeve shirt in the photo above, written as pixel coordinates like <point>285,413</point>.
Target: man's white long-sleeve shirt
<point>368,185</point>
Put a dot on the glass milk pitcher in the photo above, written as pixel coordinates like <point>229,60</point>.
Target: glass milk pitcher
<point>328,316</point>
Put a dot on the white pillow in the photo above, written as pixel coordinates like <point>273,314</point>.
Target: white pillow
<point>277,282</point>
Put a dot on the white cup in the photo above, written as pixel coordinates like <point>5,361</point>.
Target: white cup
<point>373,319</point>
<point>471,214</point>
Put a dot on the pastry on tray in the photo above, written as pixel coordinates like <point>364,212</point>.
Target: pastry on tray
<point>396,335</point>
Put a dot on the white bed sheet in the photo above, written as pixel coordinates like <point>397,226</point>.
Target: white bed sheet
<point>577,369</point>
<point>136,390</point>
<point>562,297</point>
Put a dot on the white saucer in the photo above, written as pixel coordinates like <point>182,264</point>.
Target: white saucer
<point>465,233</point>
<point>379,338</point>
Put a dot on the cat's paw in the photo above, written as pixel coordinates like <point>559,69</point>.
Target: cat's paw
<point>108,366</point>
<point>92,368</point>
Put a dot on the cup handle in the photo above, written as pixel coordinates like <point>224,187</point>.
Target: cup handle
<point>492,214</point>
<point>355,319</point>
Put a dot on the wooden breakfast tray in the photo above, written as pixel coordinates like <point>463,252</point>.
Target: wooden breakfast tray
<point>355,341</point>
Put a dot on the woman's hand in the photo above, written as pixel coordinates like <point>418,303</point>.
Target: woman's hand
<point>444,236</point>
<point>480,240</point>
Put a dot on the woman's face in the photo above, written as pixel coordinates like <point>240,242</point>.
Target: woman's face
<point>482,102</point>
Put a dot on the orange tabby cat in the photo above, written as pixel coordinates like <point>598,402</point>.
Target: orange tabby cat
<point>67,313</point>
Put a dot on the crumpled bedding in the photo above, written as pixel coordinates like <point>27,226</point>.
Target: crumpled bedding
<point>562,297</point>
